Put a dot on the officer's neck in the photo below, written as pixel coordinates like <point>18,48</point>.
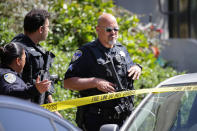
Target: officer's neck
<point>14,68</point>
<point>107,45</point>
<point>16,65</point>
<point>33,36</point>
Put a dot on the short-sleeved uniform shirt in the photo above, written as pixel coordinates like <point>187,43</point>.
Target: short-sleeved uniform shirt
<point>90,61</point>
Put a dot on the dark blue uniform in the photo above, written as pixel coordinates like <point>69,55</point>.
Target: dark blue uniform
<point>12,85</point>
<point>91,61</point>
<point>35,61</point>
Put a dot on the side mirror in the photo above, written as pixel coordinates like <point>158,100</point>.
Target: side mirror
<point>109,127</point>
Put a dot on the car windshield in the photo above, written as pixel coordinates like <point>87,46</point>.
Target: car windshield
<point>171,111</point>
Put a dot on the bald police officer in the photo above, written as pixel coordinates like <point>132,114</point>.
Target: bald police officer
<point>92,71</point>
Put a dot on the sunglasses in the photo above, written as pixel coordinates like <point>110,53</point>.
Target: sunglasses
<point>109,29</point>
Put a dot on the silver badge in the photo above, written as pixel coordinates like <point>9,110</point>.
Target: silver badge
<point>122,53</point>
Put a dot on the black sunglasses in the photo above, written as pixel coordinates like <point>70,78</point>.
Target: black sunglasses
<point>109,29</point>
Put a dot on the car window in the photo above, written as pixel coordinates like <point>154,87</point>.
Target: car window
<point>172,111</point>
<point>14,119</point>
<point>186,117</point>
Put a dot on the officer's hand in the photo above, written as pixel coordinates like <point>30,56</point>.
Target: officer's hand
<point>57,113</point>
<point>134,71</point>
<point>42,86</point>
<point>104,85</point>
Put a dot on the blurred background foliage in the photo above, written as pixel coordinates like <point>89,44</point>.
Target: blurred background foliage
<point>73,24</point>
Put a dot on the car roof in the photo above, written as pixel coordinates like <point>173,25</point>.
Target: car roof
<point>190,78</point>
<point>16,103</point>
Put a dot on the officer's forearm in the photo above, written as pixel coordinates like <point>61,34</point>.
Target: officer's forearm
<point>77,83</point>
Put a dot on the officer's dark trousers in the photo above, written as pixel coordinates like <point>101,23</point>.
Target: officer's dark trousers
<point>93,121</point>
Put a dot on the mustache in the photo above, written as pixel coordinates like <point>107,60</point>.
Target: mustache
<point>115,36</point>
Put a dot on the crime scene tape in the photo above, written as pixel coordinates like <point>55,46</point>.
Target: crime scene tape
<point>109,96</point>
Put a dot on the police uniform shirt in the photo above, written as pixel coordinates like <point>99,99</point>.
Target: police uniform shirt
<point>12,85</point>
<point>35,55</point>
<point>34,58</point>
<point>89,60</point>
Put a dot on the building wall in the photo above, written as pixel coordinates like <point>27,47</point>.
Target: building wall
<point>181,53</point>
<point>146,8</point>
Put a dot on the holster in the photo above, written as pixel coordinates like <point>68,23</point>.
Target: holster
<point>125,107</point>
<point>80,118</point>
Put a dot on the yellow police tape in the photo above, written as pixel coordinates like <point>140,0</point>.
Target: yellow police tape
<point>109,96</point>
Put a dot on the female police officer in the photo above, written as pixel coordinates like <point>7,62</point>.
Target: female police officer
<point>12,62</point>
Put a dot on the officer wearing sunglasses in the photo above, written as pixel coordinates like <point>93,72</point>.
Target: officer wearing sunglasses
<point>89,73</point>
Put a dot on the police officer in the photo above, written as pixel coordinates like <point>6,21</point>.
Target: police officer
<point>36,27</point>
<point>93,70</point>
<point>12,63</point>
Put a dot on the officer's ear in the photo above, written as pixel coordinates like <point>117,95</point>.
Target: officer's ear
<point>18,61</point>
<point>41,29</point>
<point>97,29</point>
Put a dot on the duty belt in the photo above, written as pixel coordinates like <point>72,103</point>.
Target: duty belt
<point>109,113</point>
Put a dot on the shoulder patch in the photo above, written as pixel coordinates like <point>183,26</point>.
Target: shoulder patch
<point>70,67</point>
<point>10,78</point>
<point>76,56</point>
